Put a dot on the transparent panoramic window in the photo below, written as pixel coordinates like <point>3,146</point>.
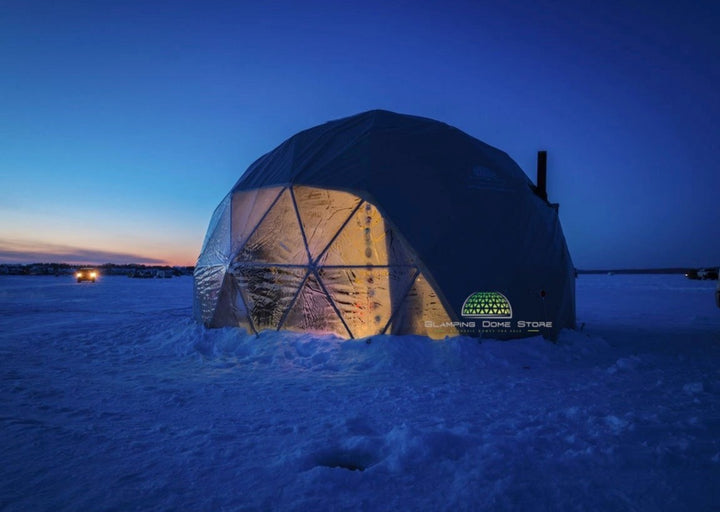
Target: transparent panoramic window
<point>313,311</point>
<point>248,207</point>
<point>268,292</point>
<point>216,247</point>
<point>366,296</point>
<point>278,238</point>
<point>230,308</point>
<point>208,283</point>
<point>364,280</point>
<point>323,213</point>
<point>366,240</point>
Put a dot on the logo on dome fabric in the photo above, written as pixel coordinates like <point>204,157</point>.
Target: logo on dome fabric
<point>487,305</point>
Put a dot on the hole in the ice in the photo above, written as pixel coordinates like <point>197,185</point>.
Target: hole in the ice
<point>352,460</point>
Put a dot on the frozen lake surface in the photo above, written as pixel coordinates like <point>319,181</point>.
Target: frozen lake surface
<point>112,398</point>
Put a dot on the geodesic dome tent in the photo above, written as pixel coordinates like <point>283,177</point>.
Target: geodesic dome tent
<point>386,223</point>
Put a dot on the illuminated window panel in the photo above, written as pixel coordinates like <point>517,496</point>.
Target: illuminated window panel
<point>422,313</point>
<point>248,207</point>
<point>487,305</point>
<point>268,292</point>
<point>365,296</point>
<point>313,312</point>
<point>323,212</point>
<point>278,238</point>
<point>366,240</point>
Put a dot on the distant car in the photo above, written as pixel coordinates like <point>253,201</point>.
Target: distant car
<point>702,273</point>
<point>86,274</point>
<point>692,274</point>
<point>709,273</point>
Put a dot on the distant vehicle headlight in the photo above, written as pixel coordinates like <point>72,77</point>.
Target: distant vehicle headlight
<point>93,274</point>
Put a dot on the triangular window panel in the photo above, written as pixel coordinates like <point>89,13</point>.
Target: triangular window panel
<point>323,212</point>
<point>268,292</point>
<point>423,313</point>
<point>230,308</point>
<point>278,238</point>
<point>313,311</point>
<point>367,240</point>
<point>216,247</point>
<point>208,283</point>
<point>366,296</point>
<point>248,207</point>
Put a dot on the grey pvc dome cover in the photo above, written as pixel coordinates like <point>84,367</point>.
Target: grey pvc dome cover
<point>386,223</point>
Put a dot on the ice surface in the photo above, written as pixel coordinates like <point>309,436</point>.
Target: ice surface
<point>113,399</point>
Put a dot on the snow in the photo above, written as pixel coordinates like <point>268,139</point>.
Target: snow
<point>113,399</point>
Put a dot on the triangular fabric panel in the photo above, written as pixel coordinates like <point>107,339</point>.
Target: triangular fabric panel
<point>248,207</point>
<point>367,240</point>
<point>268,292</point>
<point>323,212</point>
<point>366,296</point>
<point>230,308</point>
<point>313,311</point>
<point>422,313</point>
<point>278,238</point>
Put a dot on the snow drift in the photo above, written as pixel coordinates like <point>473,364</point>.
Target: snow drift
<point>114,399</point>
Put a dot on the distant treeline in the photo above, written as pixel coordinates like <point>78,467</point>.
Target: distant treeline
<point>690,272</point>
<point>127,269</point>
<point>679,270</point>
<point>108,269</point>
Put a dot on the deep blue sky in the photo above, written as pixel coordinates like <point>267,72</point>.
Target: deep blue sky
<point>123,124</point>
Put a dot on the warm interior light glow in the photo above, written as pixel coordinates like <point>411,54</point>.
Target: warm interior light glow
<point>311,259</point>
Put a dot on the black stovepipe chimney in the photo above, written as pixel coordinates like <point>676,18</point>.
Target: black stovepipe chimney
<point>541,189</point>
